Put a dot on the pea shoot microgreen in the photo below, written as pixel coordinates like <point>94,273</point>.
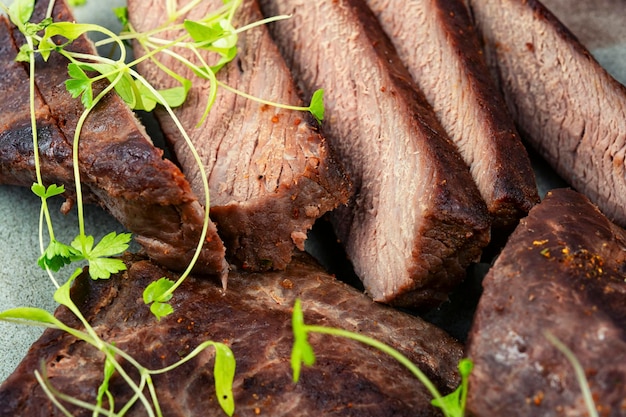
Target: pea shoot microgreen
<point>452,405</point>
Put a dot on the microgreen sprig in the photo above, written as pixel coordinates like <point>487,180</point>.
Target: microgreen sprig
<point>452,405</point>
<point>223,369</point>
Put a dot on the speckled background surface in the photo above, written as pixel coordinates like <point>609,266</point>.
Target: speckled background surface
<point>22,283</point>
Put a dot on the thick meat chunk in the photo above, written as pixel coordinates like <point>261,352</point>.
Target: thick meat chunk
<point>16,137</point>
<point>562,271</point>
<point>253,317</point>
<point>270,172</point>
<point>118,163</point>
<point>441,49</point>
<point>417,219</point>
<point>565,105</point>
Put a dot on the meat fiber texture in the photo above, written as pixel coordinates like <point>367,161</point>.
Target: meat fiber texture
<point>440,47</point>
<point>270,173</point>
<point>562,271</point>
<point>417,219</point>
<point>253,317</point>
<point>119,166</point>
<point>565,104</point>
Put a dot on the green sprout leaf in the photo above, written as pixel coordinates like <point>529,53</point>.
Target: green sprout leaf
<point>111,245</point>
<point>77,2</point>
<point>20,11</point>
<point>69,30</point>
<point>302,351</point>
<point>31,29</point>
<point>101,266</point>
<point>224,374</point>
<point>124,85</point>
<point>212,36</point>
<point>157,295</point>
<point>62,294</point>
<point>79,85</point>
<point>453,404</point>
<point>156,291</point>
<point>317,105</point>
<point>29,314</point>
<point>57,255</point>
<point>53,190</point>
<point>122,16</point>
<point>219,36</point>
<point>160,310</point>
<point>23,55</point>
<point>173,97</point>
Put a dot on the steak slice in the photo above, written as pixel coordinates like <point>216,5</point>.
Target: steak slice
<point>253,317</point>
<point>441,49</point>
<point>16,138</point>
<point>119,165</point>
<point>562,271</point>
<point>417,219</point>
<point>270,173</point>
<point>564,103</point>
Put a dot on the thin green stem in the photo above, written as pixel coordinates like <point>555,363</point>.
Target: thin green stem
<point>385,349</point>
<point>33,124</point>
<point>203,176</point>
<point>578,370</point>
<point>260,100</point>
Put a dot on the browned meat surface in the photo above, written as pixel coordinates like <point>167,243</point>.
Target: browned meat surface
<point>270,172</point>
<point>417,220</point>
<point>118,162</point>
<point>565,105</point>
<point>253,317</point>
<point>441,49</point>
<point>562,272</point>
<point>16,143</point>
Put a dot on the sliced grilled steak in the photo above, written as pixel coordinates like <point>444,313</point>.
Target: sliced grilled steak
<point>270,172</point>
<point>118,162</point>
<point>16,138</point>
<point>562,271</point>
<point>567,106</point>
<point>441,49</point>
<point>417,219</point>
<point>598,25</point>
<point>253,317</point>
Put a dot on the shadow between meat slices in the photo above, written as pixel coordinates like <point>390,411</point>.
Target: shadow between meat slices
<point>254,318</point>
<point>417,219</point>
<point>120,167</point>
<point>270,173</point>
